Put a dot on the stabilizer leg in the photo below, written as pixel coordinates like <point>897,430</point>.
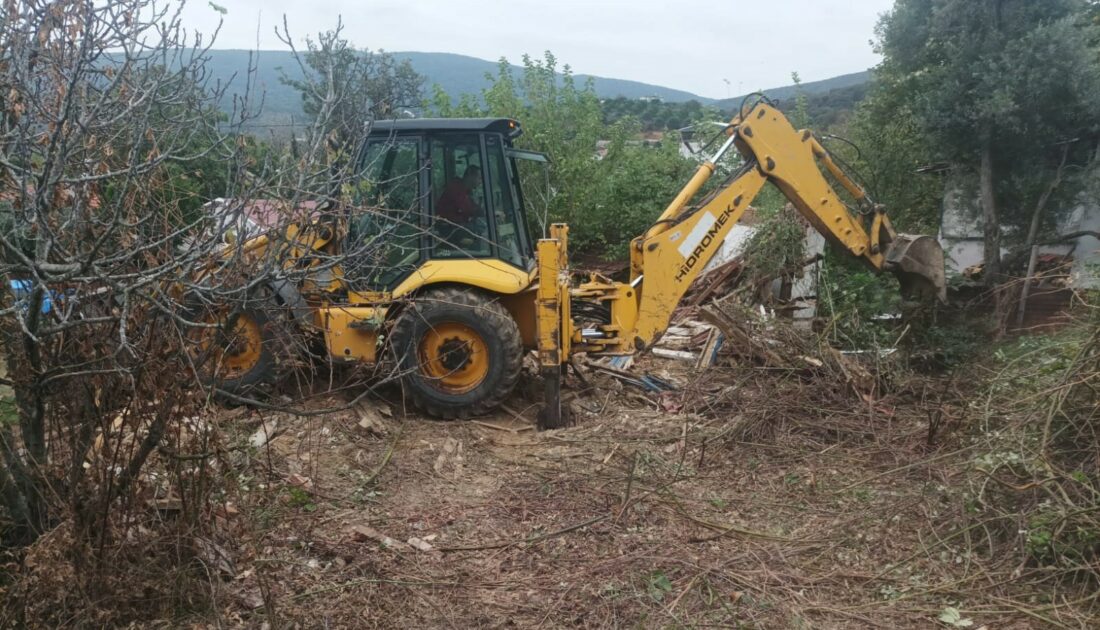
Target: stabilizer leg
<point>554,325</point>
<point>554,413</point>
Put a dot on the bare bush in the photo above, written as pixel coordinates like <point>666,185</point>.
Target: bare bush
<point>122,290</point>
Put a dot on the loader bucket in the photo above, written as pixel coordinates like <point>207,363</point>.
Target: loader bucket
<point>917,261</point>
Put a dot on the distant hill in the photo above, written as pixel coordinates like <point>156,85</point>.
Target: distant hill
<point>456,74</point>
<point>811,88</point>
<point>460,74</point>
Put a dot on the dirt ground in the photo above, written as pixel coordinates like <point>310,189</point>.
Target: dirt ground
<point>782,507</point>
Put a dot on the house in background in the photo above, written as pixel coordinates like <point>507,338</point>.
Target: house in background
<point>961,235</point>
<point>1068,260</point>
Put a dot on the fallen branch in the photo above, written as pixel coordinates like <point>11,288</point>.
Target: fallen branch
<point>532,539</point>
<point>386,457</point>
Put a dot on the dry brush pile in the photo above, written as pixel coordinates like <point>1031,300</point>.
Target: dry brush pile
<point>1032,490</point>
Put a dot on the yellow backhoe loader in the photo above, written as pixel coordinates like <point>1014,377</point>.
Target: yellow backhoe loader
<point>442,273</point>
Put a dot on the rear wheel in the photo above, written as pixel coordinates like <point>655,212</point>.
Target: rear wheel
<point>246,351</point>
<point>459,352</point>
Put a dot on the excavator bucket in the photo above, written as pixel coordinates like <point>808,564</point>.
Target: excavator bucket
<point>917,261</point>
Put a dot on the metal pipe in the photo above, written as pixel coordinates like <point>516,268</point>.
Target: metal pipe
<point>725,147</point>
<point>702,174</point>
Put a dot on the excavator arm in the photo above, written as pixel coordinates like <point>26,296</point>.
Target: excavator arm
<point>671,254</point>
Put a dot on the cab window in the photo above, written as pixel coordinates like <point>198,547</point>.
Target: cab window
<point>384,231</point>
<point>511,236</point>
<point>460,220</point>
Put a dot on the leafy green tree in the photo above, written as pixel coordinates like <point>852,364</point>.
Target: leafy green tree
<point>800,117</point>
<point>636,184</point>
<point>655,116</point>
<point>993,84</point>
<point>889,148</point>
<point>348,87</point>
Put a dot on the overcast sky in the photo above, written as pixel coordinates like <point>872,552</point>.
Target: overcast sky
<point>752,43</point>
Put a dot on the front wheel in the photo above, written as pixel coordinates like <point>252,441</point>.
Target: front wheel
<point>459,352</point>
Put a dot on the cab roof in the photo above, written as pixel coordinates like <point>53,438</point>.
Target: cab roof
<point>407,125</point>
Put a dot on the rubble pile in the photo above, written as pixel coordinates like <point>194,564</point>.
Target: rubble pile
<point>731,356</point>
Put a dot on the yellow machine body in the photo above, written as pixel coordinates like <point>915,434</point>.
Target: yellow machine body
<point>352,332</point>
<point>492,276</point>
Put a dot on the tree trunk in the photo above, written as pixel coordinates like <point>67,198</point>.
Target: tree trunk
<point>1040,206</point>
<point>991,222</point>
<point>1033,234</point>
<point>13,497</point>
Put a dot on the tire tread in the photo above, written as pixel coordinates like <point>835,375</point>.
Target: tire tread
<point>499,319</point>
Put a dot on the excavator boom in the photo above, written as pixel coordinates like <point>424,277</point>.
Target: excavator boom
<point>671,254</point>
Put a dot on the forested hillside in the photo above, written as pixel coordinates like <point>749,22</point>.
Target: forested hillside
<point>656,106</point>
<point>455,74</point>
<point>808,88</point>
<point>825,109</point>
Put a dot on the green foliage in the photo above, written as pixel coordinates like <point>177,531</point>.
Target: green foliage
<point>637,185</point>
<point>800,116</point>
<point>977,68</point>
<point>770,201</point>
<point>832,109</point>
<point>1039,431</point>
<point>9,412</point>
<point>1054,535</point>
<point>777,246</point>
<point>198,172</point>
<point>891,148</point>
<point>188,185</point>
<point>946,345</point>
<point>862,308</point>
<point>658,586</point>
<point>1011,77</point>
<point>606,200</point>
<point>656,115</point>
<point>1036,362</point>
<point>827,104</point>
<point>851,296</point>
<point>364,85</point>
<point>300,499</point>
<point>1047,355</point>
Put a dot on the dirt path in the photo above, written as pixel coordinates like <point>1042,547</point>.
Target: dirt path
<point>828,517</point>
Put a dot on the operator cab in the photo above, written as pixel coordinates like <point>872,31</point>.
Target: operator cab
<point>436,189</point>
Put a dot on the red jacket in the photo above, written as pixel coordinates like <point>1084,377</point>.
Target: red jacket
<point>455,204</point>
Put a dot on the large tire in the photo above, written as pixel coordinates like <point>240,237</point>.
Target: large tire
<point>459,352</point>
<point>249,354</point>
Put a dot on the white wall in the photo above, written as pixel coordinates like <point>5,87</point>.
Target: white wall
<point>1085,273</point>
<point>804,287</point>
<point>961,234</point>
